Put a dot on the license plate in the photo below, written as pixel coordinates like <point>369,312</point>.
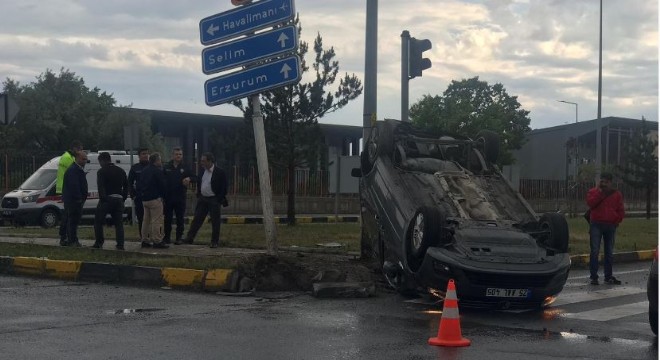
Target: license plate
<point>6,212</point>
<point>498,292</point>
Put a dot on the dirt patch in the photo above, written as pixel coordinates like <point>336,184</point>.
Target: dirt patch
<point>298,271</point>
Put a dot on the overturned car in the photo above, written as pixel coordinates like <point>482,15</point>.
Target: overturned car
<point>436,207</point>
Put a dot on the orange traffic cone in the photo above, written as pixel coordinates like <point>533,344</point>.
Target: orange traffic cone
<point>449,331</point>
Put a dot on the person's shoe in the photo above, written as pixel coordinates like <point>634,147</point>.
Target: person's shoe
<point>178,242</point>
<point>166,241</point>
<point>146,244</point>
<point>612,281</point>
<point>594,282</point>
<point>97,246</point>
<point>64,243</point>
<point>119,247</point>
<point>213,245</point>
<point>160,245</point>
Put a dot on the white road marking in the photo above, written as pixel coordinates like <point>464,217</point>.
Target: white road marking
<point>611,313</point>
<point>577,297</point>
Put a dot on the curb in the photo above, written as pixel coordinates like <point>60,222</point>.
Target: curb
<point>632,256</point>
<point>200,280</point>
<point>211,280</point>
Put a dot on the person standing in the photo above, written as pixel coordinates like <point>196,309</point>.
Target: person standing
<point>133,178</point>
<point>113,191</point>
<point>74,194</point>
<point>606,213</point>
<point>177,179</point>
<point>151,189</point>
<point>66,160</point>
<point>211,192</point>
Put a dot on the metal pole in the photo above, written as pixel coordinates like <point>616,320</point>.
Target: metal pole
<point>370,69</point>
<point>337,187</point>
<point>600,88</point>
<point>264,178</point>
<point>405,42</point>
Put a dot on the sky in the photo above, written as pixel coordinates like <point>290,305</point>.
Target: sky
<point>147,53</point>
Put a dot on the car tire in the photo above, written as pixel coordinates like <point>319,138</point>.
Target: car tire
<point>490,143</point>
<point>49,218</point>
<point>425,231</point>
<point>557,227</point>
<point>653,320</point>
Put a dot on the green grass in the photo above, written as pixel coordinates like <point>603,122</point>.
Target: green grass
<point>633,234</point>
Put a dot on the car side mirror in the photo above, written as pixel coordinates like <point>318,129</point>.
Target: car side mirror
<point>356,172</point>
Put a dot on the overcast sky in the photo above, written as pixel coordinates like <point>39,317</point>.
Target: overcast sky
<point>147,52</point>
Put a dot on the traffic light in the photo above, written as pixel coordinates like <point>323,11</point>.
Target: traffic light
<point>417,63</point>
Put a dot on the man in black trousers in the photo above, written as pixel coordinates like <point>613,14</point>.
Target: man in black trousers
<point>74,194</point>
<point>177,179</point>
<point>133,178</point>
<point>211,192</point>
<point>113,191</point>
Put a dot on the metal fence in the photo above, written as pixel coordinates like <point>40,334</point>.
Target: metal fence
<point>571,195</point>
<point>14,169</point>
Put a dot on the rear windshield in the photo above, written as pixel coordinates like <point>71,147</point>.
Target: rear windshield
<point>40,180</point>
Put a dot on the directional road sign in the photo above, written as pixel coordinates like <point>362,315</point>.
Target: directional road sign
<point>245,19</point>
<point>252,81</point>
<point>246,50</point>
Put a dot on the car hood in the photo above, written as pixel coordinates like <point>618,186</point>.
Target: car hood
<point>498,245</point>
<point>18,193</point>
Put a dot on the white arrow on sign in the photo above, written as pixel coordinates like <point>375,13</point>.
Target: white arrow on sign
<point>282,39</point>
<point>285,70</point>
<point>212,29</point>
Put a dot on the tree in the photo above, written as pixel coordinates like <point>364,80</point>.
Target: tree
<point>641,168</point>
<point>470,105</point>
<point>291,113</point>
<point>57,109</point>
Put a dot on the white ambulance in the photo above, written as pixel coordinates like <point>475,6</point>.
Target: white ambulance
<point>35,201</point>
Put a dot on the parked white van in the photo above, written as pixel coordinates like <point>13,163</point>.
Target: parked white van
<point>35,201</point>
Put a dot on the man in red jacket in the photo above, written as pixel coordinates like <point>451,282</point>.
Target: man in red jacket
<point>606,205</point>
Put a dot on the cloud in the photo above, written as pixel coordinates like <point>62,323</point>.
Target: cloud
<point>148,52</point>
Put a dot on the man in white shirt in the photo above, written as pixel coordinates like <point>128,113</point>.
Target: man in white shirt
<point>211,192</point>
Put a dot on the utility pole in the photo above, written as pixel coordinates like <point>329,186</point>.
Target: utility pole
<point>370,70</point>
<point>405,59</point>
<point>599,161</point>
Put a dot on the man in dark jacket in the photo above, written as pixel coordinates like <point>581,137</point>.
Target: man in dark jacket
<point>211,192</point>
<point>133,178</point>
<point>113,191</point>
<point>606,205</point>
<point>74,194</point>
<point>151,189</point>
<point>66,160</point>
<point>177,179</point>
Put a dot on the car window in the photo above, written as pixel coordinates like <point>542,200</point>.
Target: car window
<point>40,180</point>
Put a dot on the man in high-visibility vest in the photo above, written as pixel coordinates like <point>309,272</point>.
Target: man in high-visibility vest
<point>66,160</point>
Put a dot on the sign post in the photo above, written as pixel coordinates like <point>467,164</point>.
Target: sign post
<point>255,77</point>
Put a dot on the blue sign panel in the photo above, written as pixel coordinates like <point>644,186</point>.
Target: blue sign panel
<point>252,81</point>
<point>245,19</point>
<point>254,48</point>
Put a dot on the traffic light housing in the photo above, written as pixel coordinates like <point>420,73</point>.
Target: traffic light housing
<point>417,63</point>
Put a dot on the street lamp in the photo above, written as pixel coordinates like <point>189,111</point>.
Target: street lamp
<point>576,108</point>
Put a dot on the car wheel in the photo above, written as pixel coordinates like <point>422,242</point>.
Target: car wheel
<point>653,319</point>
<point>425,231</point>
<point>490,142</point>
<point>49,218</point>
<point>557,228</point>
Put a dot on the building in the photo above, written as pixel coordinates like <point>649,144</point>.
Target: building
<point>193,132</point>
<point>555,153</point>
